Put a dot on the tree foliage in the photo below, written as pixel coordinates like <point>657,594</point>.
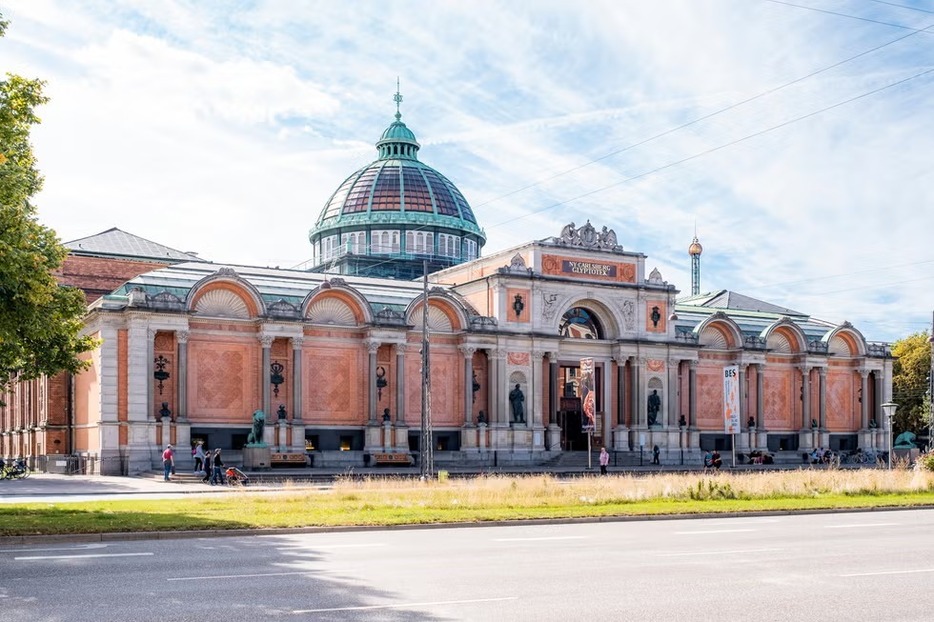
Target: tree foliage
<point>910,383</point>
<point>40,321</point>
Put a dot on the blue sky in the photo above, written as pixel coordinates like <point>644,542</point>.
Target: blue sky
<point>796,136</point>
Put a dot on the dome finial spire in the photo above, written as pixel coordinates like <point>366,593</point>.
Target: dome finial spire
<point>398,99</point>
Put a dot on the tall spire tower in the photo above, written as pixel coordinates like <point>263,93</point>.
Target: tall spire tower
<point>695,250</point>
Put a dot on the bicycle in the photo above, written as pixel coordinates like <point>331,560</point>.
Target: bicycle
<point>16,470</point>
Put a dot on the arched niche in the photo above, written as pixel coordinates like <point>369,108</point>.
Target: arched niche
<point>226,295</point>
<point>845,341</point>
<point>335,305</point>
<point>719,332</point>
<point>444,315</point>
<point>784,337</point>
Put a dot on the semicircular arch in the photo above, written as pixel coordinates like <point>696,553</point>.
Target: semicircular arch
<point>590,315</point>
<point>335,304</point>
<point>225,294</point>
<point>785,337</point>
<point>719,332</point>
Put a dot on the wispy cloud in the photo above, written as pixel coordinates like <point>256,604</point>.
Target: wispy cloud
<point>224,129</point>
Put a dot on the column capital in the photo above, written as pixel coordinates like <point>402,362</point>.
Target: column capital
<point>467,350</point>
<point>265,340</point>
<point>693,364</point>
<point>372,345</point>
<point>297,343</point>
<point>822,370</point>
<point>399,349</point>
<point>497,353</point>
<point>151,333</point>
<point>181,336</point>
<point>863,373</point>
<point>552,356</point>
<point>538,354</point>
<point>805,369</point>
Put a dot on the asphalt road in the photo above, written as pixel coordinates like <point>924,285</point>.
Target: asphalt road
<point>845,566</point>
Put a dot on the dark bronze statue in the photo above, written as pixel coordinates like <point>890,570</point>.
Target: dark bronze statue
<point>655,403</point>
<point>517,404</point>
<point>256,433</point>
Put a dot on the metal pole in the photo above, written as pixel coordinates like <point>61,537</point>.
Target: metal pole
<point>733,444</point>
<point>426,466</point>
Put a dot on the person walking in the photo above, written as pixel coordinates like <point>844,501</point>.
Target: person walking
<point>168,462</point>
<point>198,455</point>
<point>655,452</point>
<point>218,464</point>
<point>604,460</point>
<point>208,472</point>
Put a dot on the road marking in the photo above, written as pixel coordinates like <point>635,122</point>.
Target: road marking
<point>37,557</point>
<point>78,547</point>
<point>717,552</point>
<point>242,576</point>
<point>340,546</point>
<point>694,533</point>
<point>860,526</point>
<point>540,539</point>
<point>401,605</point>
<point>877,574</point>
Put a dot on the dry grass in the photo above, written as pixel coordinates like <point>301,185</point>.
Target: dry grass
<point>544,490</point>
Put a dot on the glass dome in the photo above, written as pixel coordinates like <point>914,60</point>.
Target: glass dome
<point>393,214</point>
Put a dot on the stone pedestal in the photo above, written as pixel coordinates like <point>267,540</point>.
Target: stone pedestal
<point>281,434</point>
<point>553,437</point>
<point>298,436</point>
<point>257,457</point>
<point>481,436</point>
<point>387,436</point>
<point>373,441</point>
<point>468,437</point>
<point>402,437</point>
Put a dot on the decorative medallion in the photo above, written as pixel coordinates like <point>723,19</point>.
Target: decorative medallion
<point>518,358</point>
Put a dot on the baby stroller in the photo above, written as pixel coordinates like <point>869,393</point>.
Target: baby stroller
<point>236,477</point>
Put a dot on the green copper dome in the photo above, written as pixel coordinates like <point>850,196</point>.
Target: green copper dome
<point>390,215</point>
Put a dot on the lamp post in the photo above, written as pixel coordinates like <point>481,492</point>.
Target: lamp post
<point>889,409</point>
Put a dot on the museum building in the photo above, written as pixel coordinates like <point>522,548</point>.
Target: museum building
<point>333,355</point>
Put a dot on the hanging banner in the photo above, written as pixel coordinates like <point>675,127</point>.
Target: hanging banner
<point>588,396</point>
<point>731,399</point>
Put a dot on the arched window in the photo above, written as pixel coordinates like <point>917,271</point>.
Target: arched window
<point>580,323</point>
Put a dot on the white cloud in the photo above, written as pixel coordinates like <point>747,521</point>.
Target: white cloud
<point>224,129</point>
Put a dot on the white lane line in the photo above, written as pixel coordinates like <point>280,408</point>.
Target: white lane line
<point>243,576</point>
<point>860,525</point>
<point>341,546</point>
<point>540,539</point>
<point>694,533</point>
<point>413,605</point>
<point>78,547</point>
<point>878,574</point>
<point>37,557</point>
<point>715,553</point>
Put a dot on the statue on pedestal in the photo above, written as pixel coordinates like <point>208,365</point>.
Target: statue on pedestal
<point>655,403</point>
<point>256,433</point>
<point>517,404</point>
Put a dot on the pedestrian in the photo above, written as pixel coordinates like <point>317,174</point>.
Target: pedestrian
<point>208,472</point>
<point>218,463</point>
<point>168,462</point>
<point>604,460</point>
<point>655,452</point>
<point>198,453</point>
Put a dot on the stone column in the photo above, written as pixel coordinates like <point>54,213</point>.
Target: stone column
<point>492,386</point>
<point>621,390</point>
<point>805,397</point>
<point>554,430</point>
<point>553,399</point>
<point>635,419</point>
<point>692,395</point>
<point>297,343</point>
<point>150,369</point>
<point>181,373</point>
<point>372,346</point>
<point>468,351</point>
<point>864,400</point>
<point>298,425</point>
<point>399,350</point>
<point>743,395</point>
<point>536,416</point>
<point>674,404</point>
<point>877,398</point>
<point>266,342</point>
<point>822,398</point>
<point>760,398</point>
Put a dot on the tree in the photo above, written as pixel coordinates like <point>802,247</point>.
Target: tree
<point>910,382</point>
<point>40,321</point>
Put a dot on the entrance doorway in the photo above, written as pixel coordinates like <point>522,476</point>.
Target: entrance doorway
<point>570,414</point>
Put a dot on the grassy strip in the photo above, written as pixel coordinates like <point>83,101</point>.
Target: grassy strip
<point>290,509</point>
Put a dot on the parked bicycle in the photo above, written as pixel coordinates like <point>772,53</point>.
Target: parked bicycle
<point>14,470</point>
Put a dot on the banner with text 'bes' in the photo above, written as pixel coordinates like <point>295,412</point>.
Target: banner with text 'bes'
<point>588,397</point>
<point>731,399</point>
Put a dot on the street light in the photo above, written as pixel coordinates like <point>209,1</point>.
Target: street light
<point>889,409</point>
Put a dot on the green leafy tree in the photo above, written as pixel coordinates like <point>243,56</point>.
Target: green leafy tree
<point>910,383</point>
<point>40,321</point>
